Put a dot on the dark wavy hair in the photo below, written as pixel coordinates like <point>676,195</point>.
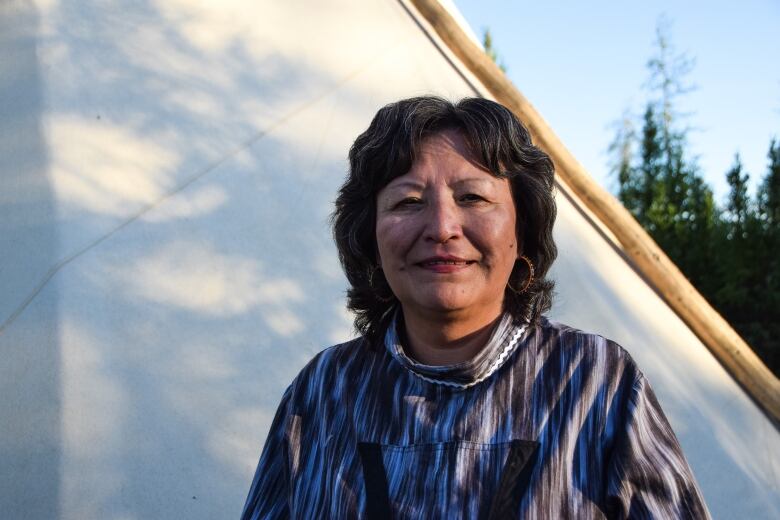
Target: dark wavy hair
<point>388,149</point>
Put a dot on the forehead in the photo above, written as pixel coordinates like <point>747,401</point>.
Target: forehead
<point>445,157</point>
<point>446,142</point>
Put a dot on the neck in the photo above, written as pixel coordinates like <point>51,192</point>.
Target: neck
<point>447,340</point>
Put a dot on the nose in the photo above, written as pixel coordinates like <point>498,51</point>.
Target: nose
<point>443,221</point>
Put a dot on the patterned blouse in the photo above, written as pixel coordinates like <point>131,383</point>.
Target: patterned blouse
<point>545,422</point>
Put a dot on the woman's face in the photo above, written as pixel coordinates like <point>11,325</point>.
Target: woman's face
<point>445,233</point>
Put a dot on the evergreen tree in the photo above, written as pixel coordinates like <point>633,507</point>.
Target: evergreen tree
<point>698,227</point>
<point>732,256</point>
<point>677,205</point>
<point>622,148</point>
<point>738,200</point>
<point>650,167</point>
<point>763,330</point>
<point>487,43</point>
<point>769,192</point>
<point>733,295</point>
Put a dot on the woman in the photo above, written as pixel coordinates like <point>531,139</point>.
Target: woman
<point>460,400</point>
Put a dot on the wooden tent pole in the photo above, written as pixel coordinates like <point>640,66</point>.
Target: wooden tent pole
<point>721,339</point>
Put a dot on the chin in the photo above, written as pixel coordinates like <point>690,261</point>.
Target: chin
<point>446,306</point>
<point>445,302</point>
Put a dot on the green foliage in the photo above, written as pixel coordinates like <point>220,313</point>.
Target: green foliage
<point>487,43</point>
<point>622,149</point>
<point>738,200</point>
<point>731,254</point>
<point>749,272</point>
<point>769,192</point>
<point>764,231</point>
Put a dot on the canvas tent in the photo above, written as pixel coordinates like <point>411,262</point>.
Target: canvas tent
<point>166,267</point>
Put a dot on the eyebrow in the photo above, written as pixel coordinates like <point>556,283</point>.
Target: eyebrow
<point>405,184</point>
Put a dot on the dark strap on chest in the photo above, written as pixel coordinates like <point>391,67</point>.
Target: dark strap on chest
<point>377,499</point>
<point>514,479</point>
<point>512,486</point>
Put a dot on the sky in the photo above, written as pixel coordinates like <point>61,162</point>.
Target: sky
<point>582,64</point>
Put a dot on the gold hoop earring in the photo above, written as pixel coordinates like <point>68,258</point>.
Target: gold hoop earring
<point>528,282</point>
<point>383,299</point>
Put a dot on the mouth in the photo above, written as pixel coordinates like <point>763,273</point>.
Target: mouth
<point>444,263</point>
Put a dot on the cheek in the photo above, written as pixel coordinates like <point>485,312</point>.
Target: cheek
<point>392,240</point>
<point>498,237</point>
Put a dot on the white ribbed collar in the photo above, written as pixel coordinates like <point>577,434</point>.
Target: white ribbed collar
<point>503,341</point>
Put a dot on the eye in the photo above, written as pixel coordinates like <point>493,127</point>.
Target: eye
<point>408,202</point>
<point>471,198</point>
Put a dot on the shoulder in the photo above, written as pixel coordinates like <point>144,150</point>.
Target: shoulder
<point>569,345</point>
<point>333,368</point>
<point>337,357</point>
<point>575,368</point>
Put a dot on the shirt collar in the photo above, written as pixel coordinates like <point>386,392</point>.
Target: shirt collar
<point>503,341</point>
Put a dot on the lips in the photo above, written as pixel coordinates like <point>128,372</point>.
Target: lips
<point>444,264</point>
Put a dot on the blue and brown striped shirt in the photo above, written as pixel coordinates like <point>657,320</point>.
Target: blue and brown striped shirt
<point>545,422</point>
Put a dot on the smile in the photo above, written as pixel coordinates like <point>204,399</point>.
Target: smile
<point>444,264</point>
